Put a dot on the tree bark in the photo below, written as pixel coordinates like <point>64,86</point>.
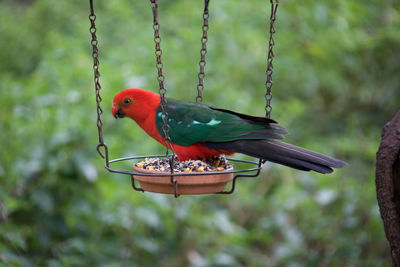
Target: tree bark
<point>388,184</point>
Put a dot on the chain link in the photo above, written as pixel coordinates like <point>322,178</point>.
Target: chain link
<point>160,76</point>
<point>203,52</point>
<point>270,67</point>
<point>97,86</point>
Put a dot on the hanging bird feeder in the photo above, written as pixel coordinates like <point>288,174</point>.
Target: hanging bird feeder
<point>173,182</point>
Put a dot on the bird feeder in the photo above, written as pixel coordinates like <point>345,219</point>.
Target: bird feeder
<point>172,182</point>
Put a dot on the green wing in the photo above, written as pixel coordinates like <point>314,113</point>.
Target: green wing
<point>191,122</point>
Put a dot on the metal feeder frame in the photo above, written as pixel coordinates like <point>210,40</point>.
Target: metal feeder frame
<point>162,91</point>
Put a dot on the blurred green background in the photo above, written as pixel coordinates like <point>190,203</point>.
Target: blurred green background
<point>336,83</point>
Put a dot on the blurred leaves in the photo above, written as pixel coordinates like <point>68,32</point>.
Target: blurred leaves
<point>336,84</point>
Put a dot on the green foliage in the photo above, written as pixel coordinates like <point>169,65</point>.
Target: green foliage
<point>335,85</point>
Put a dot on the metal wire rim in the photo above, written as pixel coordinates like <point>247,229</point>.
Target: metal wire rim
<point>108,164</point>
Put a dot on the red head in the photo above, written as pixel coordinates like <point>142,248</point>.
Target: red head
<point>135,103</point>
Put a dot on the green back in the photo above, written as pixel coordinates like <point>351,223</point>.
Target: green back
<point>192,122</point>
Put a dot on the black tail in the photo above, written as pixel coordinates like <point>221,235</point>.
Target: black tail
<point>282,153</point>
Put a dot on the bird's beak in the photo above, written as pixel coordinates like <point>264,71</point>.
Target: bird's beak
<point>117,112</point>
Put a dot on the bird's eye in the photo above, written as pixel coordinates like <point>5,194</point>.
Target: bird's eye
<point>127,101</point>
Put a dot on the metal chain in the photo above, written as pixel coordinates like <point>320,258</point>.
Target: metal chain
<point>270,68</point>
<point>162,91</point>
<point>97,86</point>
<point>203,53</point>
<point>160,76</point>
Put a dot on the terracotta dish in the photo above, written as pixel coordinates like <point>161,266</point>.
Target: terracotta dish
<point>187,185</point>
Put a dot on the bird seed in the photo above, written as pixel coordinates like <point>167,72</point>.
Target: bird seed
<point>205,165</point>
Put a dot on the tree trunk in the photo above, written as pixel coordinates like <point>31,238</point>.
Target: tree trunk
<point>388,184</point>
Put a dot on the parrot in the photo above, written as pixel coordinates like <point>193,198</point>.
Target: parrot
<point>200,131</point>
